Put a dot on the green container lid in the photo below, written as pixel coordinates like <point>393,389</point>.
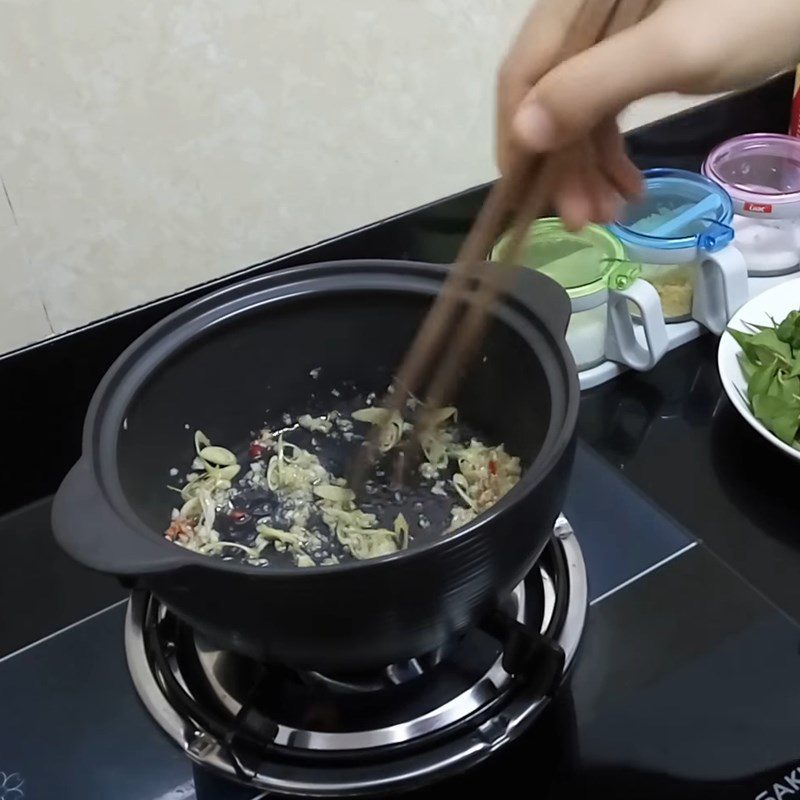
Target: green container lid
<point>584,262</point>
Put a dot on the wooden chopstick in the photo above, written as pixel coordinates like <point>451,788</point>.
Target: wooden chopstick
<point>442,342</point>
<point>595,20</point>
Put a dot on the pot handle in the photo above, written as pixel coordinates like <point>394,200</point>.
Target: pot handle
<point>87,528</point>
<point>547,299</point>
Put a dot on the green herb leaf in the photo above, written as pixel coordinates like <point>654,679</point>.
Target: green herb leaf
<point>761,380</point>
<point>748,367</point>
<point>772,371</point>
<point>743,340</point>
<point>787,331</point>
<point>766,343</point>
<point>756,328</point>
<point>794,368</point>
<point>785,387</point>
<point>778,415</point>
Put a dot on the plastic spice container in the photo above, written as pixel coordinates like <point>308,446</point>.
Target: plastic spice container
<point>680,231</point>
<point>601,285</point>
<point>761,173</point>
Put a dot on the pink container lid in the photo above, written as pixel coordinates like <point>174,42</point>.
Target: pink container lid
<point>761,173</point>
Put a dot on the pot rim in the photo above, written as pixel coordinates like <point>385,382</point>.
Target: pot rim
<point>196,319</point>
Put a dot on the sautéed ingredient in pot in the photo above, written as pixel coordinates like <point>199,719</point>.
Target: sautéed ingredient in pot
<point>289,505</point>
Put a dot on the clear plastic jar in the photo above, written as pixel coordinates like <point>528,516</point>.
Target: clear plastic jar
<point>680,232</point>
<point>761,173</point>
<point>602,287</point>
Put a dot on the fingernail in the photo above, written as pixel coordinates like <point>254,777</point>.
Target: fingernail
<point>535,126</point>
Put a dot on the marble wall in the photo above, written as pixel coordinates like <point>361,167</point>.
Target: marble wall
<point>148,145</point>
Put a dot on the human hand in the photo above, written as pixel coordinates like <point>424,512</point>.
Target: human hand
<point>690,46</point>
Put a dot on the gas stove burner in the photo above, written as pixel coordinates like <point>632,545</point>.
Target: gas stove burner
<point>393,675</point>
<point>296,732</point>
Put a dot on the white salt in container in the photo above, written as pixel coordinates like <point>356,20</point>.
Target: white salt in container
<point>761,173</point>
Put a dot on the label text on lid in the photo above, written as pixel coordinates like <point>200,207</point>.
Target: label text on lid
<point>758,208</point>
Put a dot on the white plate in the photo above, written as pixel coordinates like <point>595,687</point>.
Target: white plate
<point>776,303</point>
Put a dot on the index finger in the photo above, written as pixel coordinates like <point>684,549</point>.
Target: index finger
<point>535,50</point>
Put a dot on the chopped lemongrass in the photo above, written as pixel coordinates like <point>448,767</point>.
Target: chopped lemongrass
<point>220,456</point>
<point>401,530</point>
<point>315,424</point>
<point>317,506</point>
<point>461,485</point>
<point>200,441</point>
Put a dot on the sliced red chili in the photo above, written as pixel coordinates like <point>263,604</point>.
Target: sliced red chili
<point>256,450</point>
<point>493,468</point>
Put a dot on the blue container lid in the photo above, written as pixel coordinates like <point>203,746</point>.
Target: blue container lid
<point>678,210</point>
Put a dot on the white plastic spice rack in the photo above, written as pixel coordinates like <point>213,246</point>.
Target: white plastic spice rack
<point>678,333</point>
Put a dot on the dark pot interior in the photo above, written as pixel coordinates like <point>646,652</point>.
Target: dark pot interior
<point>256,367</point>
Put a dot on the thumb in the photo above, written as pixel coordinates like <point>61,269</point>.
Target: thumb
<point>573,97</point>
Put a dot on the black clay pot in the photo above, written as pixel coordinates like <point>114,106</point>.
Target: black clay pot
<point>219,363</point>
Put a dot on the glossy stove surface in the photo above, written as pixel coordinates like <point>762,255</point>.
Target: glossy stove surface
<point>685,684</point>
<point>674,434</point>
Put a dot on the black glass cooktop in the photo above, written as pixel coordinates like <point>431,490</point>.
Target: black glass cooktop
<point>674,434</point>
<point>684,672</point>
<point>687,684</point>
